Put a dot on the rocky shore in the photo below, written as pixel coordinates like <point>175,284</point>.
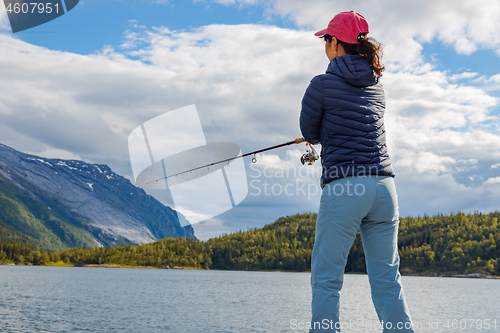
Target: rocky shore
<point>480,275</point>
<point>404,272</point>
<point>142,267</point>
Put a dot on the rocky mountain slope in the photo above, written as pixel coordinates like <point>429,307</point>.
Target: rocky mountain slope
<point>73,203</point>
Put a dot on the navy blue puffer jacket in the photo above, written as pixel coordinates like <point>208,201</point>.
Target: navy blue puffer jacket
<point>344,111</point>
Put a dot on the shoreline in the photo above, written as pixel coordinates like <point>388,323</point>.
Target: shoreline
<point>481,275</point>
<point>462,276</point>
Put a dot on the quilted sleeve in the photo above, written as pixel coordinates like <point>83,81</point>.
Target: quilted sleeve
<point>311,113</point>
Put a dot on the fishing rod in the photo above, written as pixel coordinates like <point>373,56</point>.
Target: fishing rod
<point>309,157</point>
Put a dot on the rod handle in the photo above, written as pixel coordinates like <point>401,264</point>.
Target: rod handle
<point>299,140</point>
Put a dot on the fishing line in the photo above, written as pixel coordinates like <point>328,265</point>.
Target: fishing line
<point>309,157</point>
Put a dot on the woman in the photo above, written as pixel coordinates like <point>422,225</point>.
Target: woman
<point>343,110</point>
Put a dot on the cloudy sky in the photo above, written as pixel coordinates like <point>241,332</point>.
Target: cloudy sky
<point>77,87</point>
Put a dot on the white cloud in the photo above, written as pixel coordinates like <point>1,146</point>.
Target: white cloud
<point>162,2</point>
<point>240,73</point>
<point>433,123</point>
<point>493,180</point>
<point>467,25</point>
<point>134,24</point>
<point>56,153</point>
<point>248,81</point>
<point>248,89</point>
<point>4,20</point>
<point>464,75</point>
<point>490,84</point>
<point>234,2</point>
<point>426,162</point>
<point>214,228</point>
<point>431,194</point>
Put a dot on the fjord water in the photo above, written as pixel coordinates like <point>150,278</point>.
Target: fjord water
<point>71,299</point>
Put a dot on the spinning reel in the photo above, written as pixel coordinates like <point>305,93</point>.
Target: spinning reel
<point>310,156</point>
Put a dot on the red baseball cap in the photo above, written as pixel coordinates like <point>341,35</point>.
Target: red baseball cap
<point>346,26</point>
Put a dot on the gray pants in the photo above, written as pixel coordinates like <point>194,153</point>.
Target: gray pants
<point>368,204</point>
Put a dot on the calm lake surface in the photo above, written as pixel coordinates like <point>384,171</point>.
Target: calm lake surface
<point>71,299</point>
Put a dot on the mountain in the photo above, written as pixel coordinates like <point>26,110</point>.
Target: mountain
<point>61,204</point>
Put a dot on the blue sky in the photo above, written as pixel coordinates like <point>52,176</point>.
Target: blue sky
<point>94,23</point>
<point>77,86</point>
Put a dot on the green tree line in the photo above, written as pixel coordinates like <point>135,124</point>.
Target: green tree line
<point>455,243</point>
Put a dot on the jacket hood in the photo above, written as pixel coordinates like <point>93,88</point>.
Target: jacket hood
<point>354,69</point>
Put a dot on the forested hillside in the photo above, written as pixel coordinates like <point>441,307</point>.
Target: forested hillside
<point>455,243</point>
<point>23,219</point>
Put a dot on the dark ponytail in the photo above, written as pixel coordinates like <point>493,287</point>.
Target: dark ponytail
<point>368,48</point>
